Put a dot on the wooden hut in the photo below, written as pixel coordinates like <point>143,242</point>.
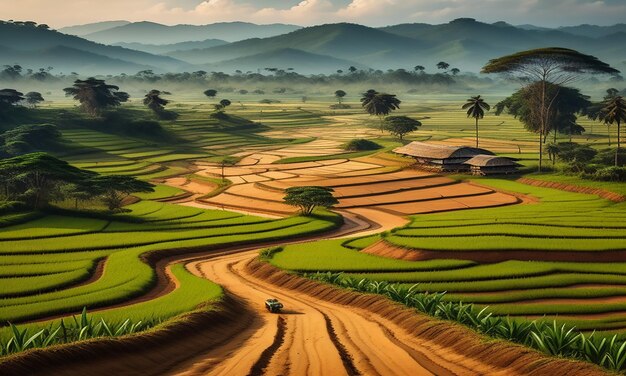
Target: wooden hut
<point>491,165</point>
<point>440,157</point>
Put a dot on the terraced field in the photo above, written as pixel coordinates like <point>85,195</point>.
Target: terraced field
<point>562,257</point>
<point>53,266</point>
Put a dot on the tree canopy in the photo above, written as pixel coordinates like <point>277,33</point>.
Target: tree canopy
<point>33,98</point>
<point>379,104</point>
<point>308,198</point>
<point>399,126</point>
<point>96,95</point>
<point>614,112</point>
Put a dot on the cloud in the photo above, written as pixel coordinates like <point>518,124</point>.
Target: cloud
<point>308,12</point>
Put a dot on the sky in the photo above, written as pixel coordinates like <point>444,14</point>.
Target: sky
<point>551,13</point>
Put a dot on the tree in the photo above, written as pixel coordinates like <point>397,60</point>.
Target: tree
<point>419,68</point>
<point>154,101</point>
<point>96,95</point>
<point>557,66</point>
<point>10,97</point>
<point>308,198</point>
<point>36,178</point>
<point>380,104</point>
<point>401,125</point>
<point>476,108</point>
<point>615,112</point>
<point>594,112</point>
<point>567,103</point>
<point>210,93</point>
<point>443,65</point>
<point>455,71</point>
<point>352,69</point>
<point>339,94</point>
<point>33,98</point>
<point>220,107</point>
<point>114,189</point>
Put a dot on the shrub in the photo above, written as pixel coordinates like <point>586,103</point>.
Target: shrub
<point>341,106</point>
<point>607,157</point>
<point>610,174</point>
<point>361,144</point>
<point>269,101</point>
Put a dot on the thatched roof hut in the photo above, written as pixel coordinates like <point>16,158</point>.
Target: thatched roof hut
<point>440,157</point>
<point>491,164</point>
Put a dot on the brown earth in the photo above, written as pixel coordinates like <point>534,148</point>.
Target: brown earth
<point>615,197</point>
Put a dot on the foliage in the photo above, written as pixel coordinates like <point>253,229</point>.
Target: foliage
<point>548,337</point>
<point>33,98</point>
<point>308,198</point>
<point>614,111</point>
<point>379,104</point>
<point>211,93</point>
<point>361,144</point>
<point>28,138</point>
<point>115,188</point>
<point>78,329</point>
<point>96,95</point>
<point>340,94</point>
<point>476,107</point>
<point>613,173</point>
<point>399,126</point>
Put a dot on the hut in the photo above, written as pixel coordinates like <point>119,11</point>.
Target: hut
<point>491,165</point>
<point>440,158</point>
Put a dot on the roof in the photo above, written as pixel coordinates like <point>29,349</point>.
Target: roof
<point>491,161</point>
<point>431,151</point>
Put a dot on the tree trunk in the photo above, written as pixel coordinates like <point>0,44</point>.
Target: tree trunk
<point>542,121</point>
<point>540,149</point>
<point>618,144</point>
<point>608,132</point>
<point>476,132</point>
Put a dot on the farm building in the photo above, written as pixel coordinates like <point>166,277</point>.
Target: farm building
<point>491,165</point>
<point>441,157</point>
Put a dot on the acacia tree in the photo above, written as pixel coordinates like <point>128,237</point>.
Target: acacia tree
<point>220,107</point>
<point>154,101</point>
<point>443,65</point>
<point>33,98</point>
<point>615,112</point>
<point>557,66</point>
<point>96,95</point>
<point>211,93</point>
<point>401,125</point>
<point>339,94</point>
<point>308,198</point>
<point>10,97</point>
<point>380,104</point>
<point>114,189</point>
<point>476,108</point>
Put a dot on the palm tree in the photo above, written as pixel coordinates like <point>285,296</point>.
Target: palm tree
<point>380,104</point>
<point>476,108</point>
<point>615,112</point>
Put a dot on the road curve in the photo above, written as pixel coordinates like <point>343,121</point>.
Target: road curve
<point>311,336</point>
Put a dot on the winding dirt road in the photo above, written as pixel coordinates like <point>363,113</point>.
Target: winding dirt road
<point>311,336</point>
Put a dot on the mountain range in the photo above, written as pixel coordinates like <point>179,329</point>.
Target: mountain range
<point>121,46</point>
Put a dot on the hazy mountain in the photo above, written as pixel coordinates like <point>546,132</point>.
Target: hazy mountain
<point>593,31</point>
<point>154,33</point>
<point>286,58</point>
<point>367,45</point>
<point>167,48</point>
<point>81,30</point>
<point>27,39</point>
<point>66,60</point>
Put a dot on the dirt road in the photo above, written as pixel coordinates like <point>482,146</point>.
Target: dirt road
<point>312,336</point>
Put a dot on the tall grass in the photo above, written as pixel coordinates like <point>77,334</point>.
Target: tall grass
<point>551,338</point>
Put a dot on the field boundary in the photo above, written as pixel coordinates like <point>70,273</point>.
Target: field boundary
<point>612,196</point>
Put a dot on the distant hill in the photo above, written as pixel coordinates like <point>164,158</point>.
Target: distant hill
<point>67,60</point>
<point>81,30</point>
<point>593,31</point>
<point>154,33</point>
<point>28,40</point>
<point>353,42</point>
<point>300,61</point>
<point>160,49</point>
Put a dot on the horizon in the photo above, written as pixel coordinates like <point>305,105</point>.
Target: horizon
<point>541,13</point>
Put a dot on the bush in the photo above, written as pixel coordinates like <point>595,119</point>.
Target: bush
<point>361,144</point>
<point>269,101</point>
<point>12,207</point>
<point>341,106</point>
<point>607,157</point>
<point>610,174</point>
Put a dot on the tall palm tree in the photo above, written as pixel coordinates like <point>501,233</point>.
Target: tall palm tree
<point>476,108</point>
<point>380,104</point>
<point>615,112</point>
